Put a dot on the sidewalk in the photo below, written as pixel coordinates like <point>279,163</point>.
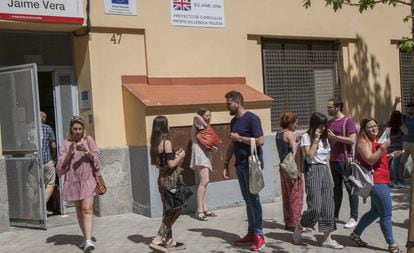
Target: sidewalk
<point>132,233</point>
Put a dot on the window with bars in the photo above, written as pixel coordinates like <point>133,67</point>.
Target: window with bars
<point>300,76</point>
<point>407,77</point>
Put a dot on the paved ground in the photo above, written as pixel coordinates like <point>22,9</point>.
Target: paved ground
<point>132,233</point>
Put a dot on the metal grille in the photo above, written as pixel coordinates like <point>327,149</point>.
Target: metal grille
<point>407,78</point>
<point>300,76</point>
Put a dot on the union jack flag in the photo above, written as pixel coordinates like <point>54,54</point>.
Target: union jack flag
<point>182,5</point>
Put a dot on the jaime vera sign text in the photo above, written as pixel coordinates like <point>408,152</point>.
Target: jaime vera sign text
<point>59,11</point>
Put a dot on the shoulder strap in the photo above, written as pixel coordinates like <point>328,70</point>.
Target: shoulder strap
<point>344,134</point>
<point>253,149</point>
<point>163,146</point>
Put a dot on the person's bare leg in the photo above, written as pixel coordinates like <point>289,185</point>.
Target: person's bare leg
<point>87,212</point>
<point>79,215</point>
<point>49,191</point>
<point>201,191</point>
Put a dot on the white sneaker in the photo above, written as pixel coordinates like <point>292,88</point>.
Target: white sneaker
<point>89,245</point>
<point>351,224</point>
<point>297,234</point>
<point>332,244</point>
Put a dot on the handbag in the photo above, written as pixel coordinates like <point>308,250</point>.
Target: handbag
<point>362,180</point>
<point>177,196</point>
<point>256,181</point>
<point>289,168</point>
<point>100,184</point>
<point>408,167</point>
<point>207,138</point>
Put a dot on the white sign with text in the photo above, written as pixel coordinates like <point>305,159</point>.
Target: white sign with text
<point>121,7</point>
<point>200,13</point>
<point>58,11</point>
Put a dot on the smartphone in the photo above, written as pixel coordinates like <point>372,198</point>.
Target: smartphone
<point>385,135</point>
<point>79,145</point>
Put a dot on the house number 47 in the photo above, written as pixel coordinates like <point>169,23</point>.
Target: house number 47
<point>116,38</point>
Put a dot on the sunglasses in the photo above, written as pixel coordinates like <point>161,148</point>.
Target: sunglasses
<point>76,119</point>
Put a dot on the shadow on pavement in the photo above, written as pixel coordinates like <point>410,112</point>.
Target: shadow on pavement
<point>400,199</point>
<point>344,240</point>
<point>287,237</point>
<point>401,225</point>
<point>225,236</point>
<point>273,224</point>
<point>62,239</point>
<point>140,239</point>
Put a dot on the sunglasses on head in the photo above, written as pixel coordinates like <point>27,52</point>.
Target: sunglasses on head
<point>76,119</point>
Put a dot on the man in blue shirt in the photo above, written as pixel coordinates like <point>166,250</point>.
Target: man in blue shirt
<point>48,152</point>
<point>407,128</point>
<point>244,126</point>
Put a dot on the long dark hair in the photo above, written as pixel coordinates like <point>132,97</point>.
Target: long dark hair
<point>395,122</point>
<point>202,110</point>
<point>316,120</point>
<point>159,133</point>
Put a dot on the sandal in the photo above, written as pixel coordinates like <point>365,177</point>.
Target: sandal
<point>201,216</point>
<point>173,245</point>
<point>394,249</point>
<point>358,240</point>
<point>158,247</point>
<point>209,213</point>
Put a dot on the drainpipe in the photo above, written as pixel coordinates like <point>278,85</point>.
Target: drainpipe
<point>410,239</point>
<point>88,22</point>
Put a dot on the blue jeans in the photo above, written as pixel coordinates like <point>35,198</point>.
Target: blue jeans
<point>253,205</point>
<point>381,207</point>
<point>337,169</point>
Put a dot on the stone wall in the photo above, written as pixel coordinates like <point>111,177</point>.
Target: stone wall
<point>4,199</point>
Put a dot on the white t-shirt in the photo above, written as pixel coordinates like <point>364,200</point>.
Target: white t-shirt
<point>322,153</point>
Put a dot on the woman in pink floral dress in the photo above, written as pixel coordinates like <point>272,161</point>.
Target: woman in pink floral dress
<point>77,163</point>
<point>201,161</point>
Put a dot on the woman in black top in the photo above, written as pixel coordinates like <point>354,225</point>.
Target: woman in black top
<point>168,162</point>
<point>292,192</point>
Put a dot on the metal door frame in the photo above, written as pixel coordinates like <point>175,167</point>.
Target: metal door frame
<point>38,154</point>
<point>65,207</point>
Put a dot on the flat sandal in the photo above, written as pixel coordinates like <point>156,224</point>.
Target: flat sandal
<point>394,249</point>
<point>353,237</point>
<point>201,216</point>
<point>209,213</point>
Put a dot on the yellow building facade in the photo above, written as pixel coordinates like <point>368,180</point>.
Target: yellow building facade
<point>256,38</point>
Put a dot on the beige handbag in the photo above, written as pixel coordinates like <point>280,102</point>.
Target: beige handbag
<point>256,181</point>
<point>288,167</point>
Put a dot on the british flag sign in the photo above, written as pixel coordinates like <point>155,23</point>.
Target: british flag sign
<point>182,5</point>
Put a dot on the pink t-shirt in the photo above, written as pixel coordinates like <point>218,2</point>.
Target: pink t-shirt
<point>337,148</point>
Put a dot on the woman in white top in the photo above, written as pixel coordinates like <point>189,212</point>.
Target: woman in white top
<point>318,182</point>
<point>201,161</point>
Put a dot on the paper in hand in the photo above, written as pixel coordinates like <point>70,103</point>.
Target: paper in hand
<point>385,135</point>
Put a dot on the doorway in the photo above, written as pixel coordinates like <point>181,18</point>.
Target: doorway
<point>51,55</point>
<point>58,99</point>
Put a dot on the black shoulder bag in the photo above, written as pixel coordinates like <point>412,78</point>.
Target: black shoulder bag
<point>176,196</point>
